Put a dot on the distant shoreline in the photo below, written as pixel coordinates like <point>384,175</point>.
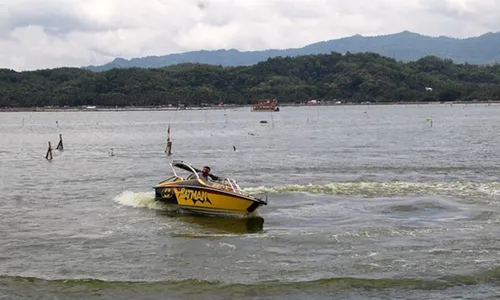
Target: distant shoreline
<point>150,108</point>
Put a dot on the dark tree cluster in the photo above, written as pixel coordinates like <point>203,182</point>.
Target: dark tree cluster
<point>351,78</point>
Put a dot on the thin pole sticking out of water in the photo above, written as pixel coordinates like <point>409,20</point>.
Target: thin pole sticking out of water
<point>60,146</point>
<point>48,156</point>
<point>272,120</point>
<point>168,149</point>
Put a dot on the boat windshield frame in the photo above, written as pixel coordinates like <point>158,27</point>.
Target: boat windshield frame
<point>186,166</point>
<point>183,165</point>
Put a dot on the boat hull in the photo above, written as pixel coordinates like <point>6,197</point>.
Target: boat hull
<point>265,109</point>
<point>205,199</point>
<point>266,105</point>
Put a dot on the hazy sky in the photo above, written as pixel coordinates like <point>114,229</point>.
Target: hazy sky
<point>52,33</point>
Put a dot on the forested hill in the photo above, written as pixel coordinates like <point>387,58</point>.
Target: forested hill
<point>405,46</point>
<point>349,77</point>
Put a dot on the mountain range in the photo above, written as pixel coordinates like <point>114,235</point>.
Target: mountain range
<point>404,46</point>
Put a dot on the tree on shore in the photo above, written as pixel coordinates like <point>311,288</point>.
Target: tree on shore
<point>351,77</point>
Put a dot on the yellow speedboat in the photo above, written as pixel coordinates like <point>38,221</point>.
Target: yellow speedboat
<point>222,196</point>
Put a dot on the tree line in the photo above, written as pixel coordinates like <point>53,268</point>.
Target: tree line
<point>350,77</point>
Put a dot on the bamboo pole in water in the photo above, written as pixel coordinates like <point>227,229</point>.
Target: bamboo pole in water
<point>60,145</point>
<point>48,156</point>
<point>168,150</point>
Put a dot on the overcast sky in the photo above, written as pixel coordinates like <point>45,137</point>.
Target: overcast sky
<point>38,34</point>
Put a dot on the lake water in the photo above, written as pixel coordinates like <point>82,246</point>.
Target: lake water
<point>379,202</point>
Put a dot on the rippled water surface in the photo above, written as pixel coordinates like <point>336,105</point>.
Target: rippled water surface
<point>379,202</point>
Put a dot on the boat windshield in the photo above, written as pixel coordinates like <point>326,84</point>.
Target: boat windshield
<point>193,173</point>
<point>190,169</point>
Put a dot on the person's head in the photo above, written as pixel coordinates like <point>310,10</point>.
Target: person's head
<point>206,170</point>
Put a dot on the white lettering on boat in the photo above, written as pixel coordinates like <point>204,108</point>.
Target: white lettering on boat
<point>221,187</point>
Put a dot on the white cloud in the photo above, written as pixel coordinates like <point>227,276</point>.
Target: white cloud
<point>54,33</point>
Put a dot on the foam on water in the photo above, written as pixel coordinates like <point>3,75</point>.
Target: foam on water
<point>140,199</point>
<point>487,192</point>
<point>385,189</point>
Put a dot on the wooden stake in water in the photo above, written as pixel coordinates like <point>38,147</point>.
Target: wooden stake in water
<point>169,147</point>
<point>48,156</point>
<point>60,145</point>
<point>168,150</point>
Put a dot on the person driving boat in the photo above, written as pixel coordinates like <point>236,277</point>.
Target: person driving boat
<point>205,174</point>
